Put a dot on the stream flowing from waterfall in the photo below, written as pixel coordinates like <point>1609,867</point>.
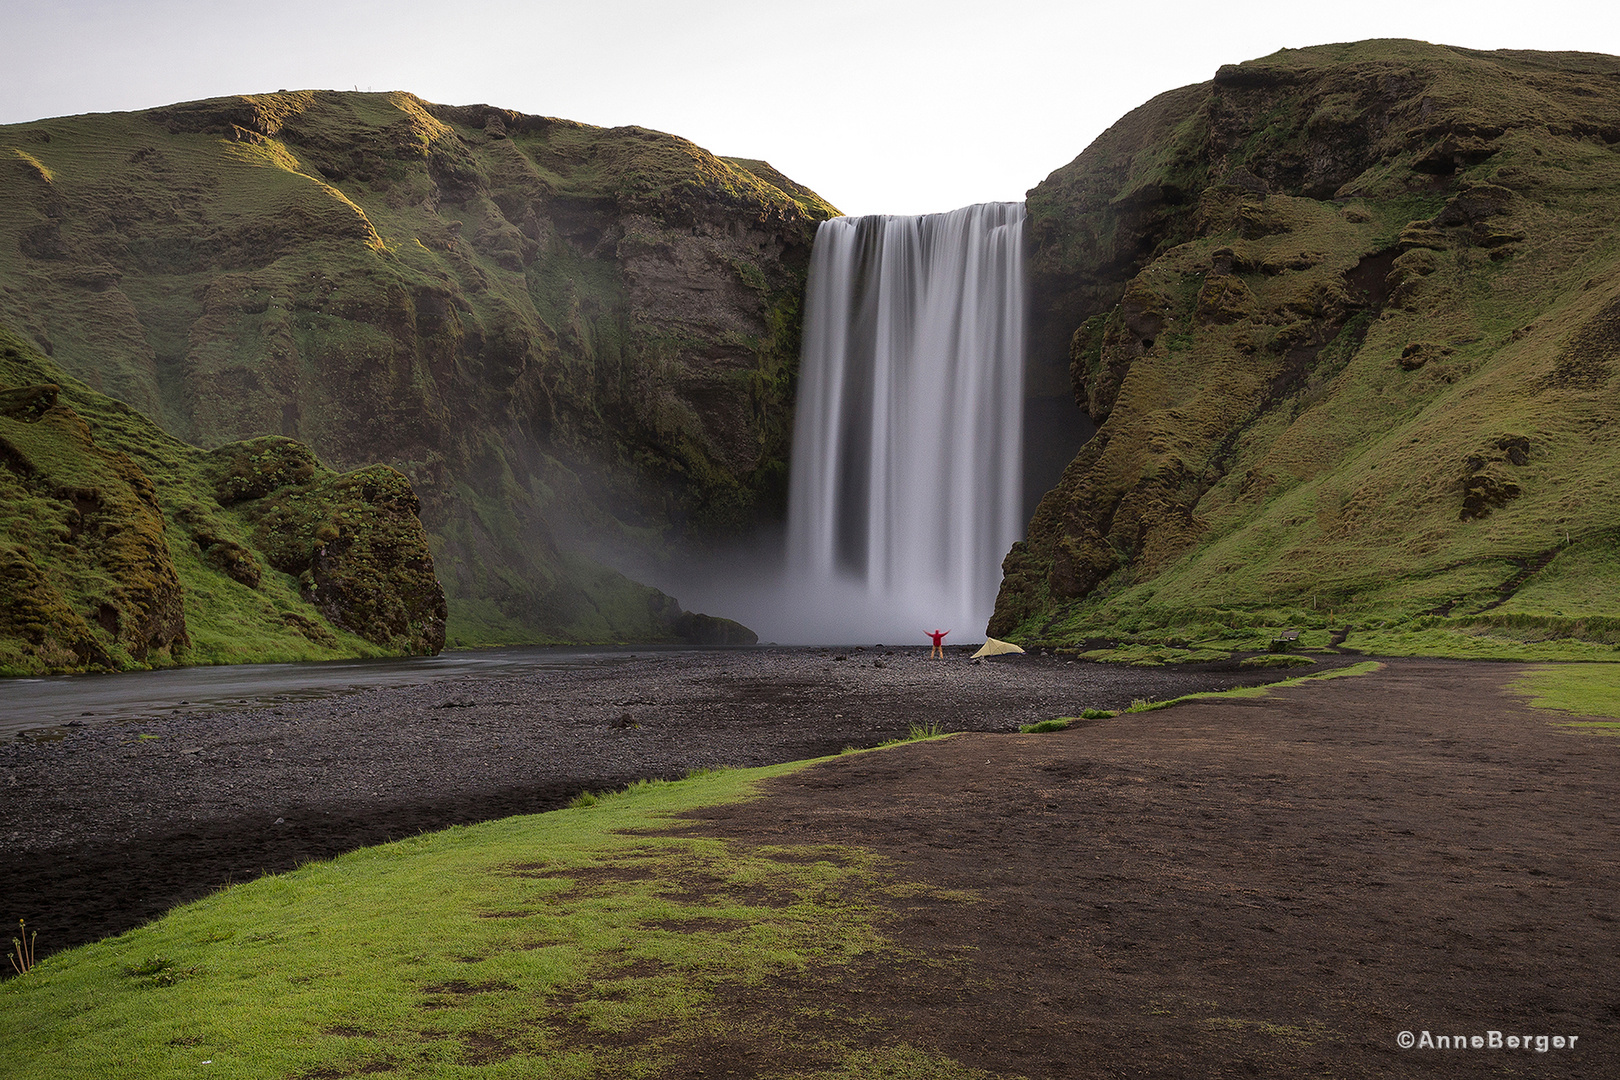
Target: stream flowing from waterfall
<point>905,488</point>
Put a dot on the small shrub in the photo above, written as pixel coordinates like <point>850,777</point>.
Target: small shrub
<point>916,731</point>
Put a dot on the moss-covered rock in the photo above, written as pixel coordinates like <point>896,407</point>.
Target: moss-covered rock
<point>89,516</point>
<point>1350,322</point>
<point>709,630</point>
<point>123,547</point>
<point>358,549</point>
<point>39,629</point>
<point>254,468</point>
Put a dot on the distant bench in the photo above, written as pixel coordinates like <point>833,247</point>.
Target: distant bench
<point>1284,641</point>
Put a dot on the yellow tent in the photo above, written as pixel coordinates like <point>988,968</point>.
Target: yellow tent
<point>992,647</point>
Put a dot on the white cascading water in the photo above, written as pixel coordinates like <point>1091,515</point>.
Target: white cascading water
<point>905,487</point>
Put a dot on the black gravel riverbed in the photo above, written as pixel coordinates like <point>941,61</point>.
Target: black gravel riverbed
<point>104,828</point>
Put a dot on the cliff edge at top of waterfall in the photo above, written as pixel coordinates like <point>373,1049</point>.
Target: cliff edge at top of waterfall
<point>578,343</point>
<point>1349,317</point>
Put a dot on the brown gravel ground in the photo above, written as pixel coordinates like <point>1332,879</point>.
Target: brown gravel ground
<point>1254,887</point>
<point>1275,886</point>
<point>103,828</point>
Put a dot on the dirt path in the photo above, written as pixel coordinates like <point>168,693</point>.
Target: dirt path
<point>1274,886</point>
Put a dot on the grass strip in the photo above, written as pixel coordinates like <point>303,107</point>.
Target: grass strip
<point>1480,642</point>
<point>1589,691</point>
<point>587,942</point>
<point>1363,668</point>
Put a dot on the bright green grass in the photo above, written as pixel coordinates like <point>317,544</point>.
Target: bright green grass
<point>1152,656</point>
<point>1362,668</point>
<point>1276,660</point>
<point>1147,636</point>
<point>580,943</point>
<point>1589,691</point>
<point>1475,643</point>
<point>1565,587</point>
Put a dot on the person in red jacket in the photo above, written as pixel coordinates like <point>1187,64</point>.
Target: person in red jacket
<point>939,643</point>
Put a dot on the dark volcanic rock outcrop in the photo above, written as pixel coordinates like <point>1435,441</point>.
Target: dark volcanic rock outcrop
<point>573,341</point>
<point>1308,302</point>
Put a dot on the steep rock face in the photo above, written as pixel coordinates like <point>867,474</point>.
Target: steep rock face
<point>122,547</point>
<point>570,340</point>
<point>1342,314</point>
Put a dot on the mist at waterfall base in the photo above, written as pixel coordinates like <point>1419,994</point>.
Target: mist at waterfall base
<point>907,472</point>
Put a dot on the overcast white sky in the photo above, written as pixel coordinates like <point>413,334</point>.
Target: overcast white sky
<point>882,106</point>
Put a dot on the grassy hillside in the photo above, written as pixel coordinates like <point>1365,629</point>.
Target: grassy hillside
<point>121,546</point>
<point>1349,318</point>
<point>577,343</point>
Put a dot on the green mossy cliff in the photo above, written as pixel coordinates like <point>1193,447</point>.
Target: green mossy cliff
<point>578,344</point>
<point>121,546</point>
<point>1349,319</point>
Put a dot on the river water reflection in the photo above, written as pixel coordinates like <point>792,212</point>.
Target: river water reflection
<point>56,700</point>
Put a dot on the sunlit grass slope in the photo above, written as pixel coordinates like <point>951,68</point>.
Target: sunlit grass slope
<point>581,943</point>
<point>1357,369</point>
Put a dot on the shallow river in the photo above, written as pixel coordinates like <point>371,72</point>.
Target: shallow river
<point>58,700</point>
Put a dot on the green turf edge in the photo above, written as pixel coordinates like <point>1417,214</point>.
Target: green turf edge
<point>1589,692</point>
<point>586,942</point>
<point>1363,668</point>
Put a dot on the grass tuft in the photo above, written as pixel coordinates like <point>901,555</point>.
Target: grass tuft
<point>916,733</point>
<point>22,954</point>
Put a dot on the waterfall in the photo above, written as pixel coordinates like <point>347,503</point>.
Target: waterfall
<point>906,476</point>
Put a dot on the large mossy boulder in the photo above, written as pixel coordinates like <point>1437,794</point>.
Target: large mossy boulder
<point>122,547</point>
<point>353,541</point>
